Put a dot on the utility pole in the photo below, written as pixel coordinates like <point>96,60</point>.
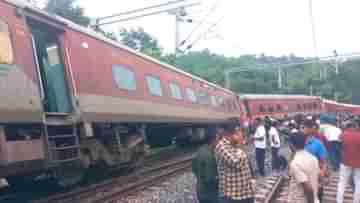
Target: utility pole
<point>178,14</point>
<point>336,62</point>
<point>279,78</point>
<point>227,79</point>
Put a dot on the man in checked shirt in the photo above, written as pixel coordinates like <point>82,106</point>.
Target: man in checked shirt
<point>236,182</point>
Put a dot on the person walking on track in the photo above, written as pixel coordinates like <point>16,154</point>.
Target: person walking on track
<point>236,183</point>
<point>259,139</point>
<point>332,134</point>
<point>350,166</point>
<point>205,170</point>
<point>304,172</point>
<point>275,145</point>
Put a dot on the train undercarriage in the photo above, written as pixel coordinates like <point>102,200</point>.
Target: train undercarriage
<point>66,152</point>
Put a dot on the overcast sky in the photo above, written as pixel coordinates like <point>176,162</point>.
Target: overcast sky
<point>273,27</point>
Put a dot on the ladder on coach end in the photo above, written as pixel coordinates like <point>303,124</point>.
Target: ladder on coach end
<point>61,139</point>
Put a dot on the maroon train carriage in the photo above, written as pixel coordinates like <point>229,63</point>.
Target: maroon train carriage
<point>341,108</point>
<point>71,98</point>
<point>279,106</point>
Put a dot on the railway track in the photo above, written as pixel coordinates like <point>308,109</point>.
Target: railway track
<point>271,189</point>
<point>275,190</point>
<point>113,189</point>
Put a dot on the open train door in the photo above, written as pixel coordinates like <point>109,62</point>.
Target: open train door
<point>60,132</point>
<point>49,58</point>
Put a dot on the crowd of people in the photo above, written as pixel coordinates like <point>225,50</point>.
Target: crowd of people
<point>319,145</point>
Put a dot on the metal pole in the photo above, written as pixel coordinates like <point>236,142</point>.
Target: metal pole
<point>336,66</point>
<point>177,33</point>
<point>227,79</point>
<point>279,78</point>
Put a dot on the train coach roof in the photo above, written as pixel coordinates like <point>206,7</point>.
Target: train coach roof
<point>340,104</point>
<point>276,96</point>
<point>92,33</point>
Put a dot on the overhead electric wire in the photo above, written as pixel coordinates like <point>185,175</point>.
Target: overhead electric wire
<point>204,33</point>
<point>212,9</point>
<point>141,9</point>
<point>143,15</point>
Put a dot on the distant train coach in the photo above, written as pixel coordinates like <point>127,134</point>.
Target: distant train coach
<point>279,106</point>
<point>341,108</point>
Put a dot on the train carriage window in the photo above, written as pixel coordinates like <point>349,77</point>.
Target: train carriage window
<point>6,51</point>
<point>124,77</point>
<point>190,95</point>
<point>154,85</point>
<point>220,100</point>
<point>278,107</point>
<point>213,100</point>
<point>175,91</point>
<point>203,97</point>
<point>315,105</point>
<point>236,107</point>
<point>261,108</point>
<point>271,109</point>
<point>298,107</point>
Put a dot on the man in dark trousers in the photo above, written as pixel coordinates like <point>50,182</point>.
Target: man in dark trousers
<point>259,139</point>
<point>205,169</point>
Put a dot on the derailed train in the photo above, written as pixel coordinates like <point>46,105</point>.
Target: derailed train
<point>71,99</point>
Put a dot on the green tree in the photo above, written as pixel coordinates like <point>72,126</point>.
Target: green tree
<point>68,10</point>
<point>141,41</point>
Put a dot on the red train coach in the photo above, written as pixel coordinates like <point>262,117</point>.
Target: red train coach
<point>341,108</point>
<point>279,106</point>
<point>71,98</point>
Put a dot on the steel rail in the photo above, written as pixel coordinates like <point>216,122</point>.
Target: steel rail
<point>120,184</point>
<point>275,190</point>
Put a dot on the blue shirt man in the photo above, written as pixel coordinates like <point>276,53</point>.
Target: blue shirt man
<point>316,148</point>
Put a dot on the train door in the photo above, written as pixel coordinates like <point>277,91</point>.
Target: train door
<point>48,55</point>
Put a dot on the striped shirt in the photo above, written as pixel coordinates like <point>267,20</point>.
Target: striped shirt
<point>234,171</point>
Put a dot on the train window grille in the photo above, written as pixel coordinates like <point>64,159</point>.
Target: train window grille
<point>213,100</point>
<point>261,108</point>
<point>154,85</point>
<point>191,95</point>
<point>278,107</point>
<point>315,105</point>
<point>220,101</point>
<point>6,50</point>
<point>203,97</point>
<point>236,107</point>
<point>124,77</point>
<point>175,91</point>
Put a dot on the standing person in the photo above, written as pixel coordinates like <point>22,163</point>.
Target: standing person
<point>275,146</point>
<point>350,165</point>
<point>332,134</point>
<point>304,172</point>
<point>236,183</point>
<point>315,147</point>
<point>205,170</point>
<point>259,139</point>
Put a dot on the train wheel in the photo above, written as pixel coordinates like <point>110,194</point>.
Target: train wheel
<point>69,175</point>
<point>20,183</point>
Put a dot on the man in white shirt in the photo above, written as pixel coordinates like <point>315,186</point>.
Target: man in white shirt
<point>332,134</point>
<point>259,139</point>
<point>275,145</point>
